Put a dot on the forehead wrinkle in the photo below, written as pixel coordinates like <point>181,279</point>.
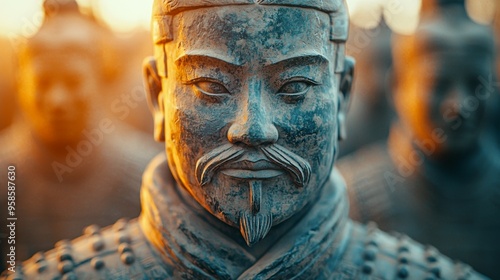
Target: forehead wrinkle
<point>241,31</point>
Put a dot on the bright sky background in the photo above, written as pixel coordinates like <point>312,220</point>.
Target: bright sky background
<point>23,17</point>
<point>400,15</point>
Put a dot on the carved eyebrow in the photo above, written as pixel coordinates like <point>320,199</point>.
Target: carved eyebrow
<point>299,60</point>
<point>203,57</point>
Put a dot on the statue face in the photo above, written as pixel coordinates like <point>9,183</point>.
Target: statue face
<point>250,110</point>
<point>56,96</point>
<point>444,91</point>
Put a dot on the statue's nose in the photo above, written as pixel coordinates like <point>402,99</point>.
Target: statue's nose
<point>57,97</point>
<point>253,125</point>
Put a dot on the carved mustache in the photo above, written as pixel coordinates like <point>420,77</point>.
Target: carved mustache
<point>298,168</point>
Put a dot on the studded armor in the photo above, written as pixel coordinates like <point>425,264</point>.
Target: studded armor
<point>122,252</point>
<point>458,217</point>
<point>325,244</point>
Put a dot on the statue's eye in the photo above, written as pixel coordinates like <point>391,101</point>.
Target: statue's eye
<point>211,88</point>
<point>211,91</point>
<point>294,87</point>
<point>295,90</point>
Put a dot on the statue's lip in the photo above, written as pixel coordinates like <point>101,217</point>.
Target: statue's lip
<point>251,164</point>
<point>248,169</point>
<point>252,174</point>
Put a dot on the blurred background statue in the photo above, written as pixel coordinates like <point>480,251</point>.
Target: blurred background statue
<point>75,163</point>
<point>437,179</point>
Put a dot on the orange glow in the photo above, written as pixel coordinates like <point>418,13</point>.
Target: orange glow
<point>124,16</point>
<point>23,18</point>
<point>400,15</point>
<point>20,18</point>
<point>481,11</point>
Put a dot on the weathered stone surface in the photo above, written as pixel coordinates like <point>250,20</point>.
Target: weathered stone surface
<point>250,99</point>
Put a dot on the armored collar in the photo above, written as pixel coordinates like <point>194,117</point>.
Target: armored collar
<point>196,250</point>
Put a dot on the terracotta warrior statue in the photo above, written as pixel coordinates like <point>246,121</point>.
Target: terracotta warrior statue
<point>436,179</point>
<point>250,99</point>
<point>71,168</point>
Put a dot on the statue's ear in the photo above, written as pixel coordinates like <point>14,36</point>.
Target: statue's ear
<point>346,79</point>
<point>155,96</point>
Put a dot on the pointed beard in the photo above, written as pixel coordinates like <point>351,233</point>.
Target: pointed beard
<point>254,227</point>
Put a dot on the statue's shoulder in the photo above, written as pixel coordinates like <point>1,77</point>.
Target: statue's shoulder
<point>117,252</point>
<point>374,254</point>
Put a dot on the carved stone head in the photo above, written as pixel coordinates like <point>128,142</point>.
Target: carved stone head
<point>443,75</point>
<point>246,97</point>
<point>60,75</point>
